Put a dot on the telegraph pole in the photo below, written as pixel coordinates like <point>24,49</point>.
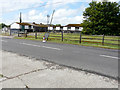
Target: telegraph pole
<point>52,17</point>
<point>20,17</point>
<point>48,16</point>
<point>20,22</point>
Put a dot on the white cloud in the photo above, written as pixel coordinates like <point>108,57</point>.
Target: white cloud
<point>70,20</point>
<point>61,16</point>
<point>32,12</point>
<point>107,0</point>
<point>38,17</point>
<point>57,3</point>
<point>8,5</point>
<point>65,12</point>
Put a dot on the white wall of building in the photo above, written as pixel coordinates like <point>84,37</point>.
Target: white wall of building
<point>80,28</point>
<point>57,28</point>
<point>50,28</point>
<point>64,28</point>
<point>72,28</point>
<point>15,26</point>
<point>26,27</point>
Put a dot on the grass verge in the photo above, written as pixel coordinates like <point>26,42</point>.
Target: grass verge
<point>55,40</point>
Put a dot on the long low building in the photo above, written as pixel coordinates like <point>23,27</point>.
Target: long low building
<point>32,27</point>
<point>69,27</point>
<point>29,27</point>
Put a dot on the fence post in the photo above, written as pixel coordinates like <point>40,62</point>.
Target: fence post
<point>35,34</point>
<point>62,34</point>
<point>10,32</point>
<point>18,33</point>
<point>80,38</point>
<point>103,39</point>
<point>25,33</point>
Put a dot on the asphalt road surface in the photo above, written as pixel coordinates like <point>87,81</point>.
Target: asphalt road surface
<point>97,60</point>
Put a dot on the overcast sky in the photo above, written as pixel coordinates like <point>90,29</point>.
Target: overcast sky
<point>66,11</point>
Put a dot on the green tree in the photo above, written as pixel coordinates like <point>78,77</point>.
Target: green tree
<point>102,18</point>
<point>2,25</point>
<point>58,24</point>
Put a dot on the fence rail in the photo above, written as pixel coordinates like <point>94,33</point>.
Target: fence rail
<point>98,39</point>
<point>78,38</point>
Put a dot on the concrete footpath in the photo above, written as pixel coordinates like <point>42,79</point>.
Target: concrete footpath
<point>25,72</point>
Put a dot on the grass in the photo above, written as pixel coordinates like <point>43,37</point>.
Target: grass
<point>67,40</point>
<point>5,34</point>
<point>73,38</point>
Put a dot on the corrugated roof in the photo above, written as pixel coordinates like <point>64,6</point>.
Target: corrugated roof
<point>74,25</point>
<point>23,23</point>
<point>32,24</point>
<point>43,25</point>
<point>40,25</point>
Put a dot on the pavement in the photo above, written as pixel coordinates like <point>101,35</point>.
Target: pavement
<point>96,60</point>
<point>27,72</point>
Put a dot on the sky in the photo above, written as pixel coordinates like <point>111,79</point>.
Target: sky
<point>66,11</point>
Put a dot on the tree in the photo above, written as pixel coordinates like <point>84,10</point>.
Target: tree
<point>102,18</point>
<point>2,25</point>
<point>58,24</point>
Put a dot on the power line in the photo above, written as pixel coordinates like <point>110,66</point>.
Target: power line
<point>46,5</point>
<point>40,6</point>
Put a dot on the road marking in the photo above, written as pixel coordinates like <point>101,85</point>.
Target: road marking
<point>41,46</point>
<point>30,44</point>
<point>51,47</point>
<point>110,56</point>
<point>2,79</point>
<point>3,41</point>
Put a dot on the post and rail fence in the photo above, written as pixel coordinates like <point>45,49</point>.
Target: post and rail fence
<point>78,38</point>
<point>95,39</point>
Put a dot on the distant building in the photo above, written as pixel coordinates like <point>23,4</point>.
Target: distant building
<point>29,27</point>
<point>32,27</point>
<point>5,29</point>
<point>14,28</point>
<point>69,27</point>
<point>74,27</point>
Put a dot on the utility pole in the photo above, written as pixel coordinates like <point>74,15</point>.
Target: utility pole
<point>20,17</point>
<point>48,16</point>
<point>52,17</point>
<point>51,20</point>
<point>20,22</point>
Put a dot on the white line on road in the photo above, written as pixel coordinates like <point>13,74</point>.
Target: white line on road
<point>3,41</point>
<point>2,79</point>
<point>41,46</point>
<point>30,44</point>
<point>51,47</point>
<point>110,56</point>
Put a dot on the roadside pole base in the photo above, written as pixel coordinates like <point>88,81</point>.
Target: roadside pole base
<point>44,41</point>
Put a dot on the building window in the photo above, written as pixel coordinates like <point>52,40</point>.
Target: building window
<point>26,27</point>
<point>76,28</point>
<point>29,27</point>
<point>69,28</point>
<point>54,28</point>
<point>22,27</point>
<point>32,27</point>
<point>61,28</point>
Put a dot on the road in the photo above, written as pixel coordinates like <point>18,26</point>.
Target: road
<point>97,60</point>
